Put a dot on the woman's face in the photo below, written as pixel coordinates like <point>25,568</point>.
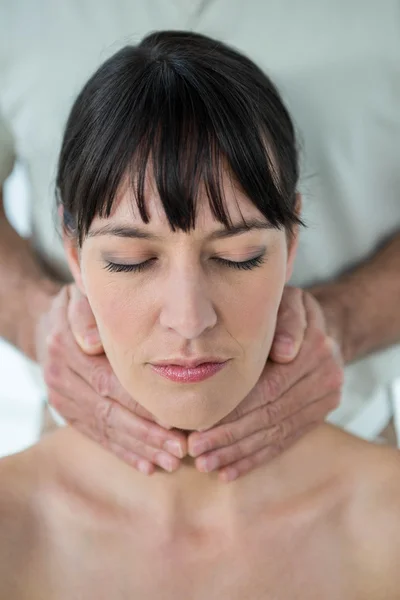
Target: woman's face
<point>163,297</point>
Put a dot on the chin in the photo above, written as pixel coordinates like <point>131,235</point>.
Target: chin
<point>190,413</point>
<point>187,424</point>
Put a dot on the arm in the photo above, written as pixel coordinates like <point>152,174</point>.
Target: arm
<point>25,292</point>
<point>362,308</point>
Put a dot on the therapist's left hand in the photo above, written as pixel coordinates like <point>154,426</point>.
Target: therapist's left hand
<point>300,385</point>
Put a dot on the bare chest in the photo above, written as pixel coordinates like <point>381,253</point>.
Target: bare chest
<point>292,563</point>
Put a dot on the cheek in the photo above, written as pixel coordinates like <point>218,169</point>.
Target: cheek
<point>253,311</point>
<point>121,312</point>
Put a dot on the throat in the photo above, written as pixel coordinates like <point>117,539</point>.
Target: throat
<point>188,497</point>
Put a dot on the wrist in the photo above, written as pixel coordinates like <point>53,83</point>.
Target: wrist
<point>332,300</point>
<point>39,296</point>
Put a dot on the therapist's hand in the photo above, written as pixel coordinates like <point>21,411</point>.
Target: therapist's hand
<point>84,390</point>
<point>300,385</point>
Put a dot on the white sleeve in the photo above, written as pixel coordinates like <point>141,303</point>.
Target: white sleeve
<point>7,151</point>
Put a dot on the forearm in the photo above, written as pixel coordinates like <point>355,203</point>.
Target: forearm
<point>362,308</point>
<point>25,289</point>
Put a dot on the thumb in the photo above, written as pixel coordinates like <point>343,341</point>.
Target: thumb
<point>82,322</point>
<point>291,325</point>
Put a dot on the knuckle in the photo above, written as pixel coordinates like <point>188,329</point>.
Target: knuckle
<point>103,416</point>
<point>273,434</point>
<point>100,380</point>
<point>264,438</point>
<point>149,436</point>
<point>271,414</point>
<point>55,342</point>
<point>321,343</point>
<point>229,436</point>
<point>285,428</point>
<point>273,384</point>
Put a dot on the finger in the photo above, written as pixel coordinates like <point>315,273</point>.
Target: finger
<point>140,464</point>
<point>136,448</point>
<point>107,422</point>
<point>230,454</point>
<point>98,373</point>
<point>328,379</point>
<point>82,322</point>
<point>260,457</point>
<point>61,300</point>
<point>277,379</point>
<point>135,460</point>
<point>246,446</point>
<point>290,327</point>
<point>68,405</point>
<point>123,426</point>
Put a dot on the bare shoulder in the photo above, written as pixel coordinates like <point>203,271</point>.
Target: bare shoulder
<point>19,485</point>
<point>16,479</point>
<point>373,520</point>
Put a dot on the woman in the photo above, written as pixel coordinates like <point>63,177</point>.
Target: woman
<point>177,186</point>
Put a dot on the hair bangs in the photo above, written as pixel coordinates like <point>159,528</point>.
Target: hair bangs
<point>184,120</point>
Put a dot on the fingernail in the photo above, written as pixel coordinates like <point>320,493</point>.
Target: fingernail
<point>92,339</point>
<point>229,474</point>
<point>165,462</point>
<point>144,467</point>
<point>198,448</point>
<point>174,447</point>
<point>206,464</point>
<point>284,344</point>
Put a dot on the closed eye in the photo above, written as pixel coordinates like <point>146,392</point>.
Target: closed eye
<point>118,268</point>
<point>246,265</point>
<point>252,263</point>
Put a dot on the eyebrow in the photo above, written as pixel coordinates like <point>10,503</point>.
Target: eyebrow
<point>124,231</point>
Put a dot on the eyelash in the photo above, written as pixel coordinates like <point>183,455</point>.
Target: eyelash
<point>246,265</point>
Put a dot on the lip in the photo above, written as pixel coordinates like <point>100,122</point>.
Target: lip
<point>185,374</point>
<point>189,363</point>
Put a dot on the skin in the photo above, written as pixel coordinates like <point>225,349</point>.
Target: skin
<point>52,323</point>
<point>185,303</point>
<point>319,521</point>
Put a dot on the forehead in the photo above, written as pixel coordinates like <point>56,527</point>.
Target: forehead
<point>238,207</point>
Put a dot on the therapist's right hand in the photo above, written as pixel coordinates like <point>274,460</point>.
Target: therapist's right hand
<point>84,390</point>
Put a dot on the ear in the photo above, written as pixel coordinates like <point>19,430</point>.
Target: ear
<point>72,253</point>
<point>293,242</point>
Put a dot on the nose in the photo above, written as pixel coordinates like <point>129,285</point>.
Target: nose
<point>186,305</point>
